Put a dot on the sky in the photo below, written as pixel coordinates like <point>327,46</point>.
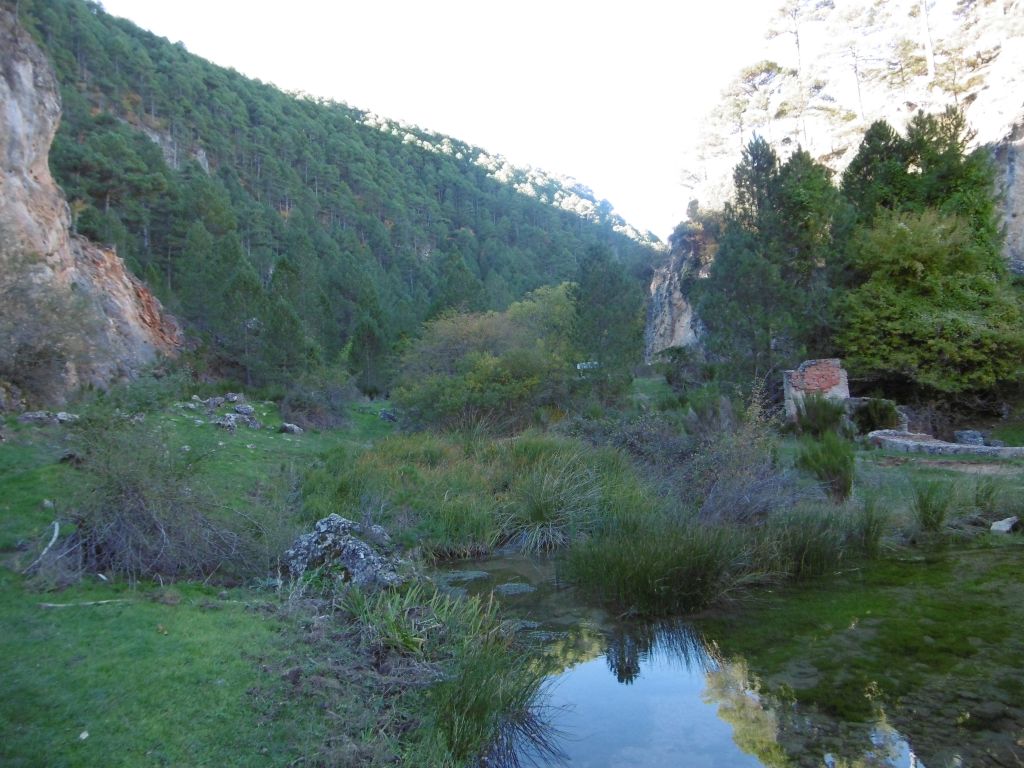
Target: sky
<point>609,93</point>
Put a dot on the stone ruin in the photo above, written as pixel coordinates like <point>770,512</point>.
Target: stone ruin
<point>825,377</point>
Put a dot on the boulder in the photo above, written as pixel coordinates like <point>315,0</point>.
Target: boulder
<point>231,421</point>
<point>336,542</point>
<point>290,429</point>
<point>388,416</point>
<point>234,397</point>
<point>1008,525</point>
<point>245,410</point>
<point>969,437</point>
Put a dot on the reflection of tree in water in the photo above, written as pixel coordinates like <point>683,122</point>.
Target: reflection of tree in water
<point>755,726</point>
<point>630,645</point>
<point>781,736</point>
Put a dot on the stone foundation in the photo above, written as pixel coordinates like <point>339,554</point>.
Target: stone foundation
<point>917,442</point>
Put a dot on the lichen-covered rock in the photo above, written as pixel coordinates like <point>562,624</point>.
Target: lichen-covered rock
<point>231,421</point>
<point>335,542</point>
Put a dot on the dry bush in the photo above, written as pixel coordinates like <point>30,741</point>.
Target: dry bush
<point>735,475</point>
<point>140,510</point>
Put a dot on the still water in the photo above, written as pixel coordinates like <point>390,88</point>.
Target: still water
<point>666,694</point>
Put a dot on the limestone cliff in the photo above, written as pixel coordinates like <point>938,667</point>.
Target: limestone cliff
<point>70,313</point>
<point>1009,157</point>
<point>670,318</point>
<point>829,70</point>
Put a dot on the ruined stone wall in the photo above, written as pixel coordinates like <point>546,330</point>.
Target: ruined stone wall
<point>825,377</point>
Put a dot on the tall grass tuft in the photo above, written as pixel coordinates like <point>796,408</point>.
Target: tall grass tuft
<point>831,460</point>
<point>931,502</point>
<point>869,525</point>
<point>817,416</point>
<point>551,504</point>
<point>987,494</point>
<point>667,567</point>
<point>803,543</point>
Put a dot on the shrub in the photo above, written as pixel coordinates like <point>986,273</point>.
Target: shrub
<point>817,415</point>
<point>876,413</point>
<point>735,475</point>
<point>141,511</point>
<point>931,502</point>
<point>831,460</point>
<point>318,401</point>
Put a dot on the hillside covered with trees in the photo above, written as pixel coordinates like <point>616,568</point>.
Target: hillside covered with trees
<point>291,233</point>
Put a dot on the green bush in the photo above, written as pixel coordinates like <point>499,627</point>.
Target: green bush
<point>876,413</point>
<point>817,415</point>
<point>831,460</point>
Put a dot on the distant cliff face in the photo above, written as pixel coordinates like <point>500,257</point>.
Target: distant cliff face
<point>1009,157</point>
<point>670,318</point>
<point>70,314</point>
<point>829,70</point>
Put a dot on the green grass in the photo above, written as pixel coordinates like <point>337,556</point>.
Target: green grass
<point>185,676</point>
<point>1011,433</point>
<point>462,495</point>
<point>150,682</point>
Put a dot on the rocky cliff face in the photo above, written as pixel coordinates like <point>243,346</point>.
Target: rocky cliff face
<point>670,318</point>
<point>1009,157</point>
<point>70,314</point>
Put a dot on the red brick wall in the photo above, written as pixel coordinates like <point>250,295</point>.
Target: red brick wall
<point>819,376</point>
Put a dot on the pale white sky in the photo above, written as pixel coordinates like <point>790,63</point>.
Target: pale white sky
<point>607,92</point>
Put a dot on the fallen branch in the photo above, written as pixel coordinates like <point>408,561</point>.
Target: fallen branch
<point>91,602</point>
<point>56,532</point>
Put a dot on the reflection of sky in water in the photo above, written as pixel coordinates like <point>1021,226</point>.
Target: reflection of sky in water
<point>657,698</point>
<point>658,719</point>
